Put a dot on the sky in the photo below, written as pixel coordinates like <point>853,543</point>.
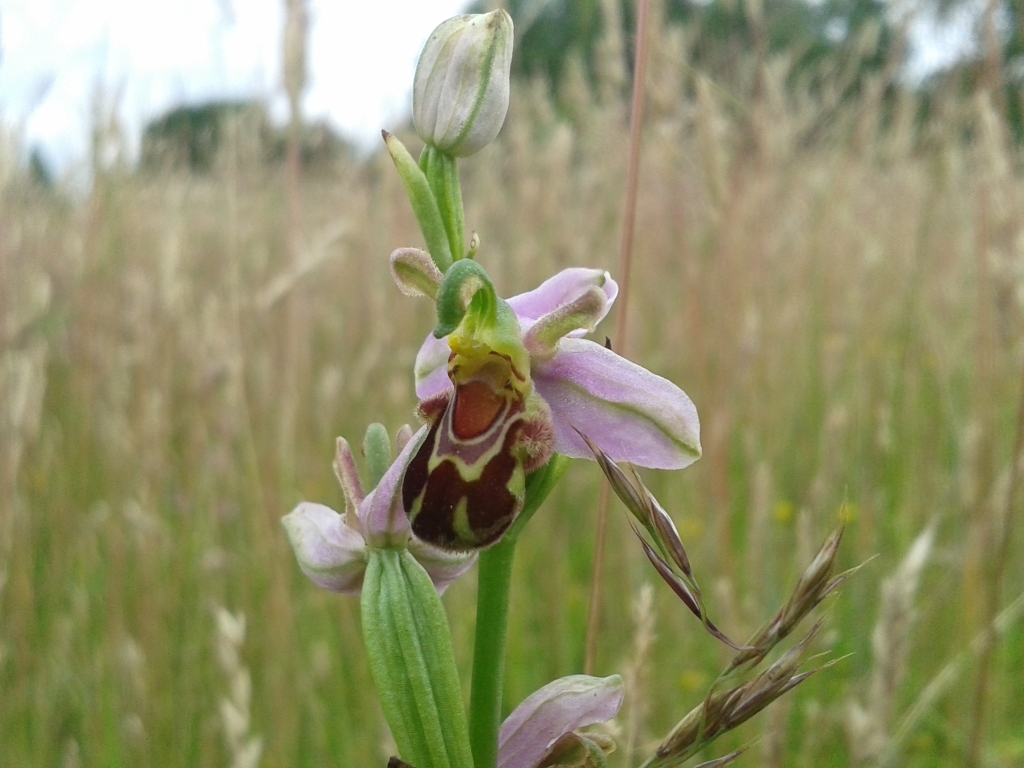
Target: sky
<point>146,57</point>
<point>56,55</point>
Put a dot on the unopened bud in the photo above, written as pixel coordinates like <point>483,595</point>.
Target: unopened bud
<point>460,94</point>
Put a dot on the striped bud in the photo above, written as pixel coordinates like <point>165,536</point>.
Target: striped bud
<point>460,93</point>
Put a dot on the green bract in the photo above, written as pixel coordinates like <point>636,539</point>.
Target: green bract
<point>406,635</point>
<point>424,204</point>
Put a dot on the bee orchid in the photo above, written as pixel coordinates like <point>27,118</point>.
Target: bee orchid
<point>542,730</point>
<point>544,725</point>
<point>505,384</point>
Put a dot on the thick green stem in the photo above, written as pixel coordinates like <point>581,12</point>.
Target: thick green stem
<point>443,176</point>
<point>492,600</point>
<point>495,581</point>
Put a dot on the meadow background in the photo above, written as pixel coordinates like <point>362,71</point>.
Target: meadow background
<point>841,296</point>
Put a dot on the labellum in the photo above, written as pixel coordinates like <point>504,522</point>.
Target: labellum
<point>467,481</point>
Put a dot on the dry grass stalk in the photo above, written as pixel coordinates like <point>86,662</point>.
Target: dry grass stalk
<point>815,584</point>
<point>724,710</point>
<point>723,760</point>
<point>243,748</point>
<point>636,121</point>
<point>133,664</point>
<point>3,644</point>
<point>711,130</point>
<point>310,261</point>
<point>26,292</point>
<point>869,726</point>
<point>662,544</point>
<point>294,51</point>
<point>942,682</point>
<point>635,675</point>
<point>1000,240</point>
<point>22,386</point>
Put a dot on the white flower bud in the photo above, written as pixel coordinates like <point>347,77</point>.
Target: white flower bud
<point>460,94</point>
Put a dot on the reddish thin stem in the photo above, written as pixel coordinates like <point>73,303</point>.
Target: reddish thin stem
<point>625,265</point>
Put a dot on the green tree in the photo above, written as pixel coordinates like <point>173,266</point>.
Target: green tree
<point>722,31</point>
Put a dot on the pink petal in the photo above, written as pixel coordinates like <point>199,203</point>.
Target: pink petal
<point>580,315</point>
<point>558,708</point>
<point>431,370</point>
<point>382,513</point>
<point>564,288</point>
<point>347,474</point>
<point>442,566</point>
<point>330,552</point>
<point>630,413</point>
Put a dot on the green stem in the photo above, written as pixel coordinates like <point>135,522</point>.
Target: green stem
<point>443,176</point>
<point>492,599</point>
<point>494,586</point>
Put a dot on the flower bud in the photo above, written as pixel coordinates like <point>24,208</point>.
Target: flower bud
<point>535,733</point>
<point>333,550</point>
<point>330,550</point>
<point>460,94</point>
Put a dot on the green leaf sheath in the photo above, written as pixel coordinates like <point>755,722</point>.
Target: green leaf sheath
<point>430,616</point>
<point>443,177</point>
<point>405,631</point>
<point>383,647</point>
<point>424,205</point>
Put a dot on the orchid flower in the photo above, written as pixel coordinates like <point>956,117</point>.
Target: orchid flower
<point>542,730</point>
<point>332,549</point>
<point>543,726</point>
<point>504,385</point>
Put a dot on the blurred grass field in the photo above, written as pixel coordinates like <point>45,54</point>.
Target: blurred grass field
<point>177,356</point>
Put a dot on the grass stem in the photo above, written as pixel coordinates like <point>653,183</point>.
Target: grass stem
<point>625,266</point>
<point>1002,537</point>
